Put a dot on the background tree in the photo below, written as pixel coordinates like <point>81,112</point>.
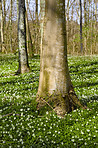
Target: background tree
<point>85,24</point>
<point>96,26</point>
<point>42,14</point>
<point>81,43</point>
<point>23,56</point>
<point>11,7</point>
<point>55,81</point>
<point>2,27</point>
<point>89,26</point>
<point>28,32</point>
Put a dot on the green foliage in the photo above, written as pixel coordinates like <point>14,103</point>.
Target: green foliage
<point>21,126</point>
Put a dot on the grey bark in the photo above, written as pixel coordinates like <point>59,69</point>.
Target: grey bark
<point>23,56</point>
<point>81,42</point>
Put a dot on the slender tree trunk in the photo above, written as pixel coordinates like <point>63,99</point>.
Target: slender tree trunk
<point>4,3</point>
<point>72,32</point>
<point>23,56</point>
<point>27,32</point>
<point>4,18</point>
<point>17,23</point>
<point>11,26</point>
<point>88,22</point>
<point>91,52</point>
<point>2,29</point>
<point>42,12</point>
<point>4,26</point>
<point>67,24</point>
<point>85,25</point>
<point>29,38</point>
<point>36,29</point>
<point>81,42</point>
<point>95,27</point>
<point>55,82</point>
<point>36,9</point>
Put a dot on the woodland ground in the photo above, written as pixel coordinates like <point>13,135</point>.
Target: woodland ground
<point>21,126</point>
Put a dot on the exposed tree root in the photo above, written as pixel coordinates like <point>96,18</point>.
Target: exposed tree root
<point>74,99</point>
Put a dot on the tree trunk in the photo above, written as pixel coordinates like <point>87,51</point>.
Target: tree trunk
<point>4,26</point>
<point>4,5</point>
<point>2,29</point>
<point>91,28</point>
<point>23,56</point>
<point>11,26</point>
<point>36,29</point>
<point>36,9</point>
<point>85,25</point>
<point>95,28</point>
<point>55,82</point>
<point>81,42</point>
<point>29,37</point>
<point>42,12</point>
<point>67,24</point>
<point>27,30</point>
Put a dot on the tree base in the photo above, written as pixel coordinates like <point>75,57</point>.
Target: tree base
<point>19,71</point>
<point>60,105</point>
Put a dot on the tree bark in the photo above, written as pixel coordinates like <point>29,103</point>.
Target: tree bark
<point>42,12</point>
<point>81,42</point>
<point>55,83</point>
<point>67,24</point>
<point>95,28</point>
<point>29,37</point>
<point>2,29</point>
<point>23,56</point>
<point>36,9</point>
<point>36,29</point>
<point>85,25</point>
<point>11,26</point>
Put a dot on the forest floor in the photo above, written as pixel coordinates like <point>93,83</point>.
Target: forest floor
<point>21,126</point>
